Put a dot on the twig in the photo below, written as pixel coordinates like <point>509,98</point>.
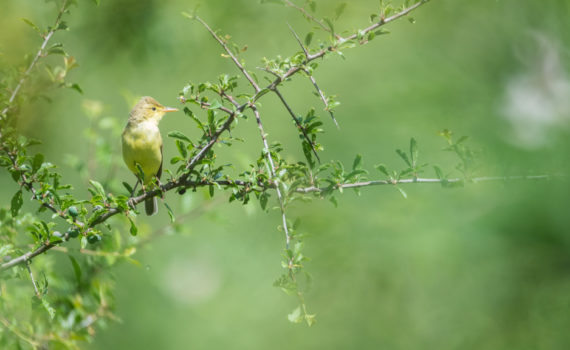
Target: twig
<point>323,98</point>
<point>33,280</point>
<point>272,173</point>
<point>301,128</point>
<point>299,41</point>
<point>230,53</point>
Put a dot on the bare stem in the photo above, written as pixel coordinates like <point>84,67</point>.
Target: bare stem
<point>273,177</point>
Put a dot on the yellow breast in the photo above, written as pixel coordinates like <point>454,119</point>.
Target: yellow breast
<point>142,144</point>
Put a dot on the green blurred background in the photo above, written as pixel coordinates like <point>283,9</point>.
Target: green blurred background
<point>481,267</point>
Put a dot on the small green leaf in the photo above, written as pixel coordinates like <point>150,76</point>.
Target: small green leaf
<point>382,169</point>
<point>37,162</point>
<point>414,151</point>
<point>402,192</point>
<point>211,191</point>
<point>76,87</point>
<point>404,156</point>
<point>170,212</point>
<point>98,187</point>
<point>128,187</point>
<point>133,230</point>
<point>216,104</point>
<point>180,136</point>
<point>62,26</point>
<point>339,10</point>
<point>357,162</point>
<point>31,24</point>
<point>308,38</point>
<point>181,149</point>
<point>17,202</point>
<point>263,200</point>
<point>49,309</point>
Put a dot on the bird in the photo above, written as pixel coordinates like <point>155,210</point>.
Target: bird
<point>142,145</point>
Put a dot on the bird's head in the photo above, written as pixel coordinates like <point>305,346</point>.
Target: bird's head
<point>148,109</point>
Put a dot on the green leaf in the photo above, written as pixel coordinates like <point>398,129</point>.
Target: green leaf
<point>62,26</point>
<point>31,24</point>
<point>37,162</point>
<point>76,87</point>
<point>49,309</point>
<point>76,269</point>
<point>96,2</point>
<point>404,156</point>
<point>17,202</point>
<point>180,136</point>
<point>339,10</point>
<point>382,169</point>
<point>357,162</point>
<point>414,151</point>
<point>128,187</point>
<point>263,200</point>
<point>308,38</point>
<point>133,230</point>
<point>170,212</point>
<point>181,149</point>
<point>402,192</point>
<point>329,24</point>
<point>98,187</point>
<point>216,104</point>
<point>211,191</point>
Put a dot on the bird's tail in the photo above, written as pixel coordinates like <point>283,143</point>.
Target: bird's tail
<point>151,206</point>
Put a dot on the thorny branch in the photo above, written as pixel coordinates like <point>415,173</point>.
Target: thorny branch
<point>183,180</point>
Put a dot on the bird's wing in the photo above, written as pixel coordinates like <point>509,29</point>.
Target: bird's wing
<point>159,172</point>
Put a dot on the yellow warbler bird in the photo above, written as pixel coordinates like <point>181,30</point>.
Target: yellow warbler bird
<point>142,144</point>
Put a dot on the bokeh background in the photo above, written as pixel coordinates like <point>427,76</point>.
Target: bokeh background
<point>481,267</point>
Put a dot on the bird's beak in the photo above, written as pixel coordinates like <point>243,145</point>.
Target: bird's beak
<point>169,109</point>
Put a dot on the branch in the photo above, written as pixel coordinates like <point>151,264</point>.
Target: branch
<point>311,143</point>
<point>266,186</point>
<point>272,173</point>
<point>182,181</point>
<point>36,59</point>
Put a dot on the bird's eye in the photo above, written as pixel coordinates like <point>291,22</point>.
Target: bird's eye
<point>154,108</point>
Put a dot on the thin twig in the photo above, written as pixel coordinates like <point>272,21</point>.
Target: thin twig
<point>33,280</point>
<point>299,41</point>
<point>230,53</point>
<point>272,173</point>
<point>323,98</point>
<point>301,128</point>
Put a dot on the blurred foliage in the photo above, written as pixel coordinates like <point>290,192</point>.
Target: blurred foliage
<point>480,266</point>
